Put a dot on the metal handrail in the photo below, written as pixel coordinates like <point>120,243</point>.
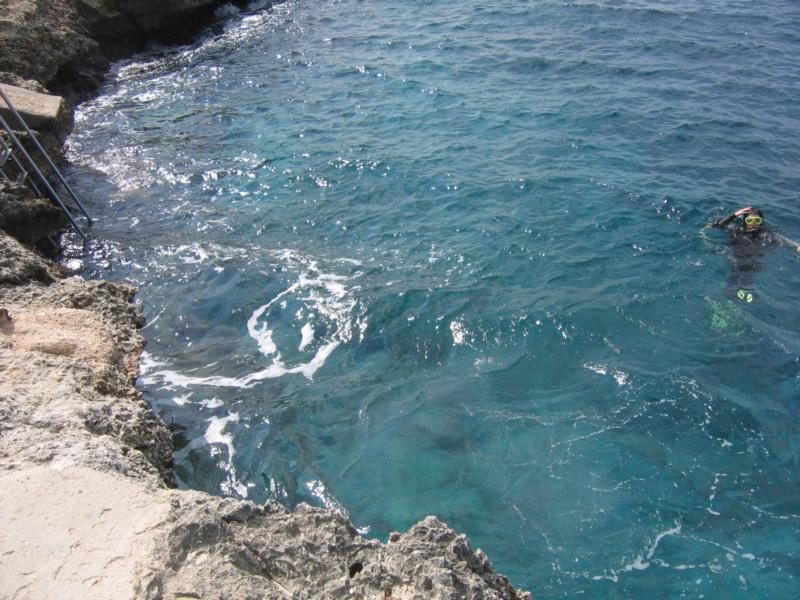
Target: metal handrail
<point>46,156</point>
<point>22,173</point>
<point>38,171</point>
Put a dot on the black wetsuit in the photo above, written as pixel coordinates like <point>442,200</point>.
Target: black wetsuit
<point>747,247</point>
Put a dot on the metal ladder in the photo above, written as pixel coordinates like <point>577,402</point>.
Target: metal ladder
<point>8,153</point>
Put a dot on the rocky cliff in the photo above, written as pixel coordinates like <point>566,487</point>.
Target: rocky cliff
<point>87,504</point>
<point>65,45</point>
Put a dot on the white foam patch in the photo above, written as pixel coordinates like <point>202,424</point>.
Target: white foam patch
<point>172,379</point>
<point>642,561</point>
<point>318,490</point>
<point>638,564</point>
<point>459,332</point>
<point>215,434</point>
<point>672,531</point>
<point>326,301</point>
<point>197,253</point>
<point>194,254</point>
<point>307,336</point>
<point>597,368</point>
<point>211,403</point>
<point>147,363</point>
<point>350,261</point>
<point>182,400</point>
<point>619,376</point>
<point>260,331</point>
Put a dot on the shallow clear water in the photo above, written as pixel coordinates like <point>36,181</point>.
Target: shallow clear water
<point>443,258</point>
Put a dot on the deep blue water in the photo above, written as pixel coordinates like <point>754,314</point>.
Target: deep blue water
<point>444,258</point>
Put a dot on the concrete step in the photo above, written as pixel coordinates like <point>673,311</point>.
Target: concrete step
<point>37,109</point>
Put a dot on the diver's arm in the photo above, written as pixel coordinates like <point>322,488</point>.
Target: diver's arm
<point>784,240</point>
<point>739,213</point>
<point>724,222</point>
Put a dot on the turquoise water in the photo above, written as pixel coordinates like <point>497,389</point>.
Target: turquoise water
<point>443,258</point>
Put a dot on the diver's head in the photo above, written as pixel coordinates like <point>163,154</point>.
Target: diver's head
<point>753,220</point>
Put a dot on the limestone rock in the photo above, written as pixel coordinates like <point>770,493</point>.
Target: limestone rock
<point>66,395</point>
<point>269,552</point>
<point>21,265</point>
<point>109,16</point>
<point>72,532</point>
<point>38,38</point>
<point>21,82</point>
<point>33,221</point>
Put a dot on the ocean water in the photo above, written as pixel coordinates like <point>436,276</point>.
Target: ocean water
<point>434,257</point>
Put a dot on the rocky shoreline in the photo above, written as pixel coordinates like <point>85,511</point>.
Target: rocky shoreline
<point>88,504</point>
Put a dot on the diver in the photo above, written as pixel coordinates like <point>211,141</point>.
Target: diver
<point>749,239</point>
